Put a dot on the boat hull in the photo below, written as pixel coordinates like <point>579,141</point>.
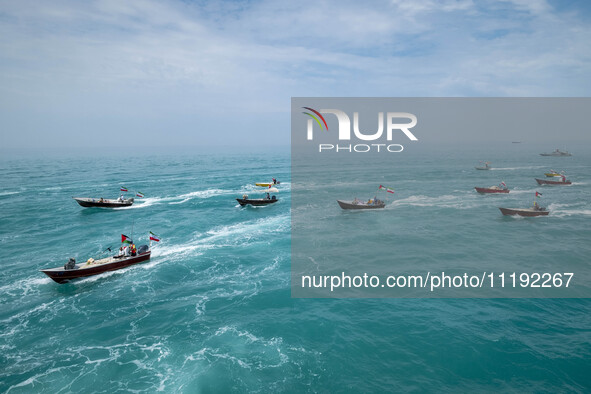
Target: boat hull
<point>523,212</point>
<point>482,168</point>
<point>267,184</point>
<point>487,190</point>
<point>61,275</point>
<point>255,202</point>
<point>97,203</point>
<point>350,205</point>
<point>545,182</point>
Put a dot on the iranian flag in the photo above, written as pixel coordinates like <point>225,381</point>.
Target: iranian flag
<point>124,189</point>
<point>125,239</point>
<point>389,190</point>
<point>139,194</point>
<point>154,237</point>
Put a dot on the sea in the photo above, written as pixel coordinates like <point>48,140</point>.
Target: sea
<point>212,310</point>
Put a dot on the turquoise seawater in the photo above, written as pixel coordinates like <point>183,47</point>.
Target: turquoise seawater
<point>435,221</point>
<point>212,310</point>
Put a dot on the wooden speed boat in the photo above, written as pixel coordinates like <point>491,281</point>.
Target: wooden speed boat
<point>492,189</point>
<point>545,182</point>
<point>361,205</point>
<point>267,184</point>
<point>73,270</point>
<point>256,201</point>
<point>525,211</point>
<point>103,202</point>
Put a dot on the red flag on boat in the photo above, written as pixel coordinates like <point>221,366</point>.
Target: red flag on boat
<point>154,237</point>
<point>389,190</point>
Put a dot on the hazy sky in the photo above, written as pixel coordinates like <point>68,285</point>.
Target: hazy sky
<point>195,73</point>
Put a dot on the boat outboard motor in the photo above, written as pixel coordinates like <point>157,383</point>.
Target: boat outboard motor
<point>143,249</point>
<point>273,198</point>
<point>71,264</point>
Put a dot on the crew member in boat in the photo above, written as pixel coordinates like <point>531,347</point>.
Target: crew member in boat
<point>133,250</point>
<point>274,181</point>
<point>121,198</point>
<point>268,197</point>
<point>355,201</point>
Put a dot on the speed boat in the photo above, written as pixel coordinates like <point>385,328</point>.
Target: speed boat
<point>524,211</point>
<point>552,173</point>
<point>356,204</point>
<point>257,201</point>
<point>492,189</point>
<point>72,270</point>
<point>103,202</point>
<point>267,184</point>
<point>485,167</point>
<point>545,182</point>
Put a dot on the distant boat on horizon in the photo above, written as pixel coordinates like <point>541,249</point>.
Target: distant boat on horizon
<point>557,153</point>
<point>516,142</point>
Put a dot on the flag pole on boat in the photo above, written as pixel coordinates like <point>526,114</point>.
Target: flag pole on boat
<point>538,194</point>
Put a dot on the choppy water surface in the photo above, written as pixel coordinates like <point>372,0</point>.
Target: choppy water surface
<point>211,311</point>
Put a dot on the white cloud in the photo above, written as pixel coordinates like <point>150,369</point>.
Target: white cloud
<point>146,63</point>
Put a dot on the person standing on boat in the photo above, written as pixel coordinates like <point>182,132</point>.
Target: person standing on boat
<point>274,181</point>
<point>268,196</point>
<point>133,250</point>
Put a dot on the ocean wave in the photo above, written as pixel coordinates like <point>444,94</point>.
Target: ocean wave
<point>516,168</point>
<point>25,287</point>
<point>522,191</point>
<point>562,210</point>
<point>199,194</point>
<point>246,350</point>
<point>444,201</point>
<point>238,234</point>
